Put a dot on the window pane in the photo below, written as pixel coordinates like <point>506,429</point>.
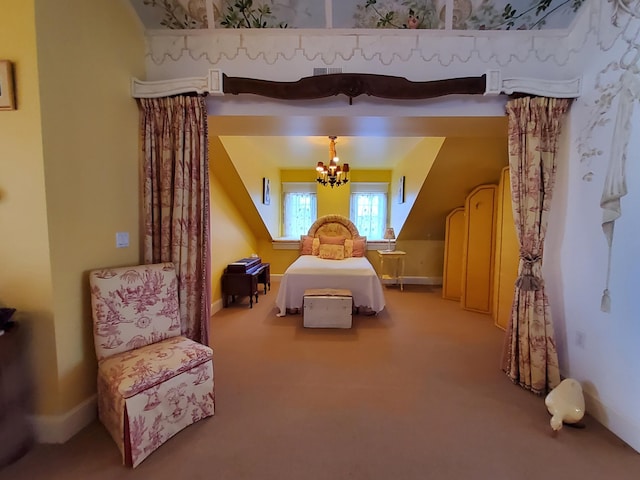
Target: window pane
<point>369,214</point>
<point>300,211</point>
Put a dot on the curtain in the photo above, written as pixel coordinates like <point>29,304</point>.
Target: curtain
<point>530,357</point>
<point>369,214</point>
<point>300,211</point>
<point>176,201</point>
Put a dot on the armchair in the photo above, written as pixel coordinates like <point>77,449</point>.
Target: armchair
<point>152,382</point>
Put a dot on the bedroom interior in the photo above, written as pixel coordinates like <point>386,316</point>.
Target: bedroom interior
<point>68,238</point>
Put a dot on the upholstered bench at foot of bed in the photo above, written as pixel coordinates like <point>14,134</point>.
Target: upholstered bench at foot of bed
<point>327,308</point>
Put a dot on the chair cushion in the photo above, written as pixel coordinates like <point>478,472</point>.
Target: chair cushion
<point>133,307</point>
<point>137,370</point>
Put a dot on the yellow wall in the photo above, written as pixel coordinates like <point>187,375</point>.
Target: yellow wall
<point>424,257</point>
<point>25,278</point>
<point>231,237</point>
<point>279,259</point>
<point>414,167</point>
<point>370,176</point>
<point>252,167</point>
<point>90,145</point>
<point>333,201</point>
<point>290,175</point>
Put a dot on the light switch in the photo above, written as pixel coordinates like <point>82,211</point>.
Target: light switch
<point>122,239</point>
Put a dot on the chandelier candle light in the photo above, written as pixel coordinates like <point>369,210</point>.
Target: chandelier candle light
<point>332,174</point>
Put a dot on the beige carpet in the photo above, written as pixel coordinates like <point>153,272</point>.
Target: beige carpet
<point>413,393</point>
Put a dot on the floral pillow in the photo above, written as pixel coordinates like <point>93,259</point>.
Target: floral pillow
<point>315,248</point>
<point>331,252</point>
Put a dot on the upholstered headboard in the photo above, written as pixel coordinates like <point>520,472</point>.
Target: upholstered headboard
<point>333,237</point>
<point>334,226</point>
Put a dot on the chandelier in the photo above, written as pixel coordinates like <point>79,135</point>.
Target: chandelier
<point>332,174</point>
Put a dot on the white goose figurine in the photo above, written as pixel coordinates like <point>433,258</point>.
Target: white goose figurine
<point>565,403</point>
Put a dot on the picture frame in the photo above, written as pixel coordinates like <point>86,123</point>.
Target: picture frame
<point>400,192</point>
<point>266,191</point>
<point>7,91</point>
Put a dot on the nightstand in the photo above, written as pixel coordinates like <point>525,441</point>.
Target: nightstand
<point>397,256</point>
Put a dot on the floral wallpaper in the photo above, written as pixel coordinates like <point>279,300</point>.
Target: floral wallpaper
<point>391,14</point>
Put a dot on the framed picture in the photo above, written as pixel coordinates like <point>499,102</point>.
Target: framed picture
<point>7,94</point>
<point>266,191</point>
<point>400,192</point>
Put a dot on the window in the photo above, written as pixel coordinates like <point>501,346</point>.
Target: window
<point>300,208</point>
<point>369,208</point>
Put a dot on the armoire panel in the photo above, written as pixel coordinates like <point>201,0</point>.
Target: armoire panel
<point>479,245</point>
<point>506,255</point>
<point>453,248</point>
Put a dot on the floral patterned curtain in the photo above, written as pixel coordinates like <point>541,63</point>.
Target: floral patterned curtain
<point>176,201</point>
<point>530,357</point>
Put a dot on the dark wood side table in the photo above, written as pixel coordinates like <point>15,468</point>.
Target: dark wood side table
<point>16,434</point>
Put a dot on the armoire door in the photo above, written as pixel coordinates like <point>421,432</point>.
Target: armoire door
<point>479,245</point>
<point>507,248</point>
<point>453,247</point>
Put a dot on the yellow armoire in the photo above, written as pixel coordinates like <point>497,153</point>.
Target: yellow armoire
<point>506,256</point>
<point>453,248</point>
<point>478,249</point>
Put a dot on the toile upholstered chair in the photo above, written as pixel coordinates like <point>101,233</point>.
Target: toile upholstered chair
<point>152,382</point>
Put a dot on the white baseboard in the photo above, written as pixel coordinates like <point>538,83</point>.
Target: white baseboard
<point>60,428</point>
<point>626,429</point>
<point>216,306</point>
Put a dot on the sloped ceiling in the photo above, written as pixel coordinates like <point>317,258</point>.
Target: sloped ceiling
<point>364,142</point>
<point>473,153</point>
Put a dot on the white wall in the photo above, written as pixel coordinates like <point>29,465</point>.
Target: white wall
<point>599,349</point>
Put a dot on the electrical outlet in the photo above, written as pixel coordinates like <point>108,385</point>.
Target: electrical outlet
<point>580,339</point>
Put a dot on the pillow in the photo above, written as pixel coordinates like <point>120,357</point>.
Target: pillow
<point>331,252</point>
<point>315,248</point>
<point>348,248</point>
<point>359,247</point>
<point>327,240</point>
<point>306,245</point>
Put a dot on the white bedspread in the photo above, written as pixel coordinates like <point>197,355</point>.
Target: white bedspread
<point>309,271</point>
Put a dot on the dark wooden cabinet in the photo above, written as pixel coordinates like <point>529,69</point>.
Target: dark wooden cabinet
<point>241,279</point>
<point>16,435</point>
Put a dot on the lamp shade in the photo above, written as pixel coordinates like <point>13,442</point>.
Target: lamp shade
<point>389,234</point>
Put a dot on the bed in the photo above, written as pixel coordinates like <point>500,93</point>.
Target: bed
<point>332,255</point>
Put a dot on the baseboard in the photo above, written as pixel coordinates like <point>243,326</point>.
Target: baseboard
<point>60,428</point>
<point>625,428</point>
<point>216,306</point>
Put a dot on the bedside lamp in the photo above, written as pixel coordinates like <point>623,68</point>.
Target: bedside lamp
<point>389,235</point>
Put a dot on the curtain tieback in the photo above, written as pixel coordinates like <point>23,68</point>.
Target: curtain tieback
<point>527,280</point>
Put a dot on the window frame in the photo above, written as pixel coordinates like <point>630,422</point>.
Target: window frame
<point>370,188</point>
<point>299,188</point>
